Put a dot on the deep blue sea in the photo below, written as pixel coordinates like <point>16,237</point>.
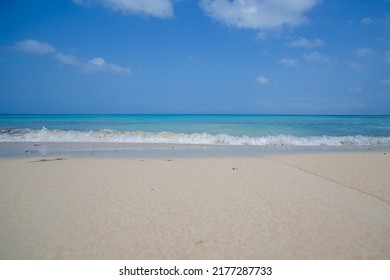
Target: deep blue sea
<point>262,130</point>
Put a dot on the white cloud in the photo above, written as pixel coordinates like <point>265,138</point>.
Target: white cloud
<point>67,59</point>
<point>355,89</point>
<point>364,52</point>
<point>316,57</point>
<point>262,80</point>
<point>34,46</point>
<point>94,64</point>
<point>156,8</point>
<point>97,61</point>
<point>100,64</point>
<point>305,43</point>
<point>288,62</point>
<point>119,69</point>
<point>258,14</point>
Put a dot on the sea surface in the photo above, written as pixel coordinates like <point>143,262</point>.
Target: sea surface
<point>252,130</point>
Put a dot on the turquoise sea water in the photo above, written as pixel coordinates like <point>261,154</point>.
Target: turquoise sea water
<point>259,130</point>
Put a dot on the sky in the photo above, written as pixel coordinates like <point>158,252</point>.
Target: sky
<point>195,56</point>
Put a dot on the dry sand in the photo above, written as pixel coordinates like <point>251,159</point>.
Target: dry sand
<point>312,206</point>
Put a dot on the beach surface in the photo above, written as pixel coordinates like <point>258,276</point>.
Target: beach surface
<point>296,206</point>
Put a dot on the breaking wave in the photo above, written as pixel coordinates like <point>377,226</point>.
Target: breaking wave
<point>110,136</point>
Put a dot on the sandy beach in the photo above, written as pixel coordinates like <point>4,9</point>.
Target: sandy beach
<point>297,206</point>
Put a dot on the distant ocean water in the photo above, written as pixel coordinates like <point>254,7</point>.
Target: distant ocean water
<point>261,130</point>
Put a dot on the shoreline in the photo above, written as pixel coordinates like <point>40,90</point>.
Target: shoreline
<point>153,150</point>
<point>289,206</point>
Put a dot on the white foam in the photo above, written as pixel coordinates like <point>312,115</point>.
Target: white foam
<point>110,136</point>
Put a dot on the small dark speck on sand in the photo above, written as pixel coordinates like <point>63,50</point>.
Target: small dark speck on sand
<point>169,160</point>
<point>234,168</point>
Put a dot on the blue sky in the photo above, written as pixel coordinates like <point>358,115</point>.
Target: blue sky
<point>195,56</point>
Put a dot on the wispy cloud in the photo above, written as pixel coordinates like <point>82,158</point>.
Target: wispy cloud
<point>356,65</point>
<point>67,59</point>
<point>288,62</point>
<point>376,21</point>
<point>85,3</point>
<point>99,64</point>
<point>355,89</point>
<point>34,46</point>
<point>385,82</point>
<point>93,65</point>
<point>258,14</point>
<point>316,57</point>
<point>262,80</point>
<point>159,8</point>
<point>305,43</point>
<point>191,58</point>
<point>361,55</point>
<point>364,52</point>
<point>367,21</point>
<point>262,35</point>
<point>387,57</point>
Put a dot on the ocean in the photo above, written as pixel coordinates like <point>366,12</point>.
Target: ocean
<point>250,130</point>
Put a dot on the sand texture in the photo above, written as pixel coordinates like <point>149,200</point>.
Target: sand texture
<point>312,206</point>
